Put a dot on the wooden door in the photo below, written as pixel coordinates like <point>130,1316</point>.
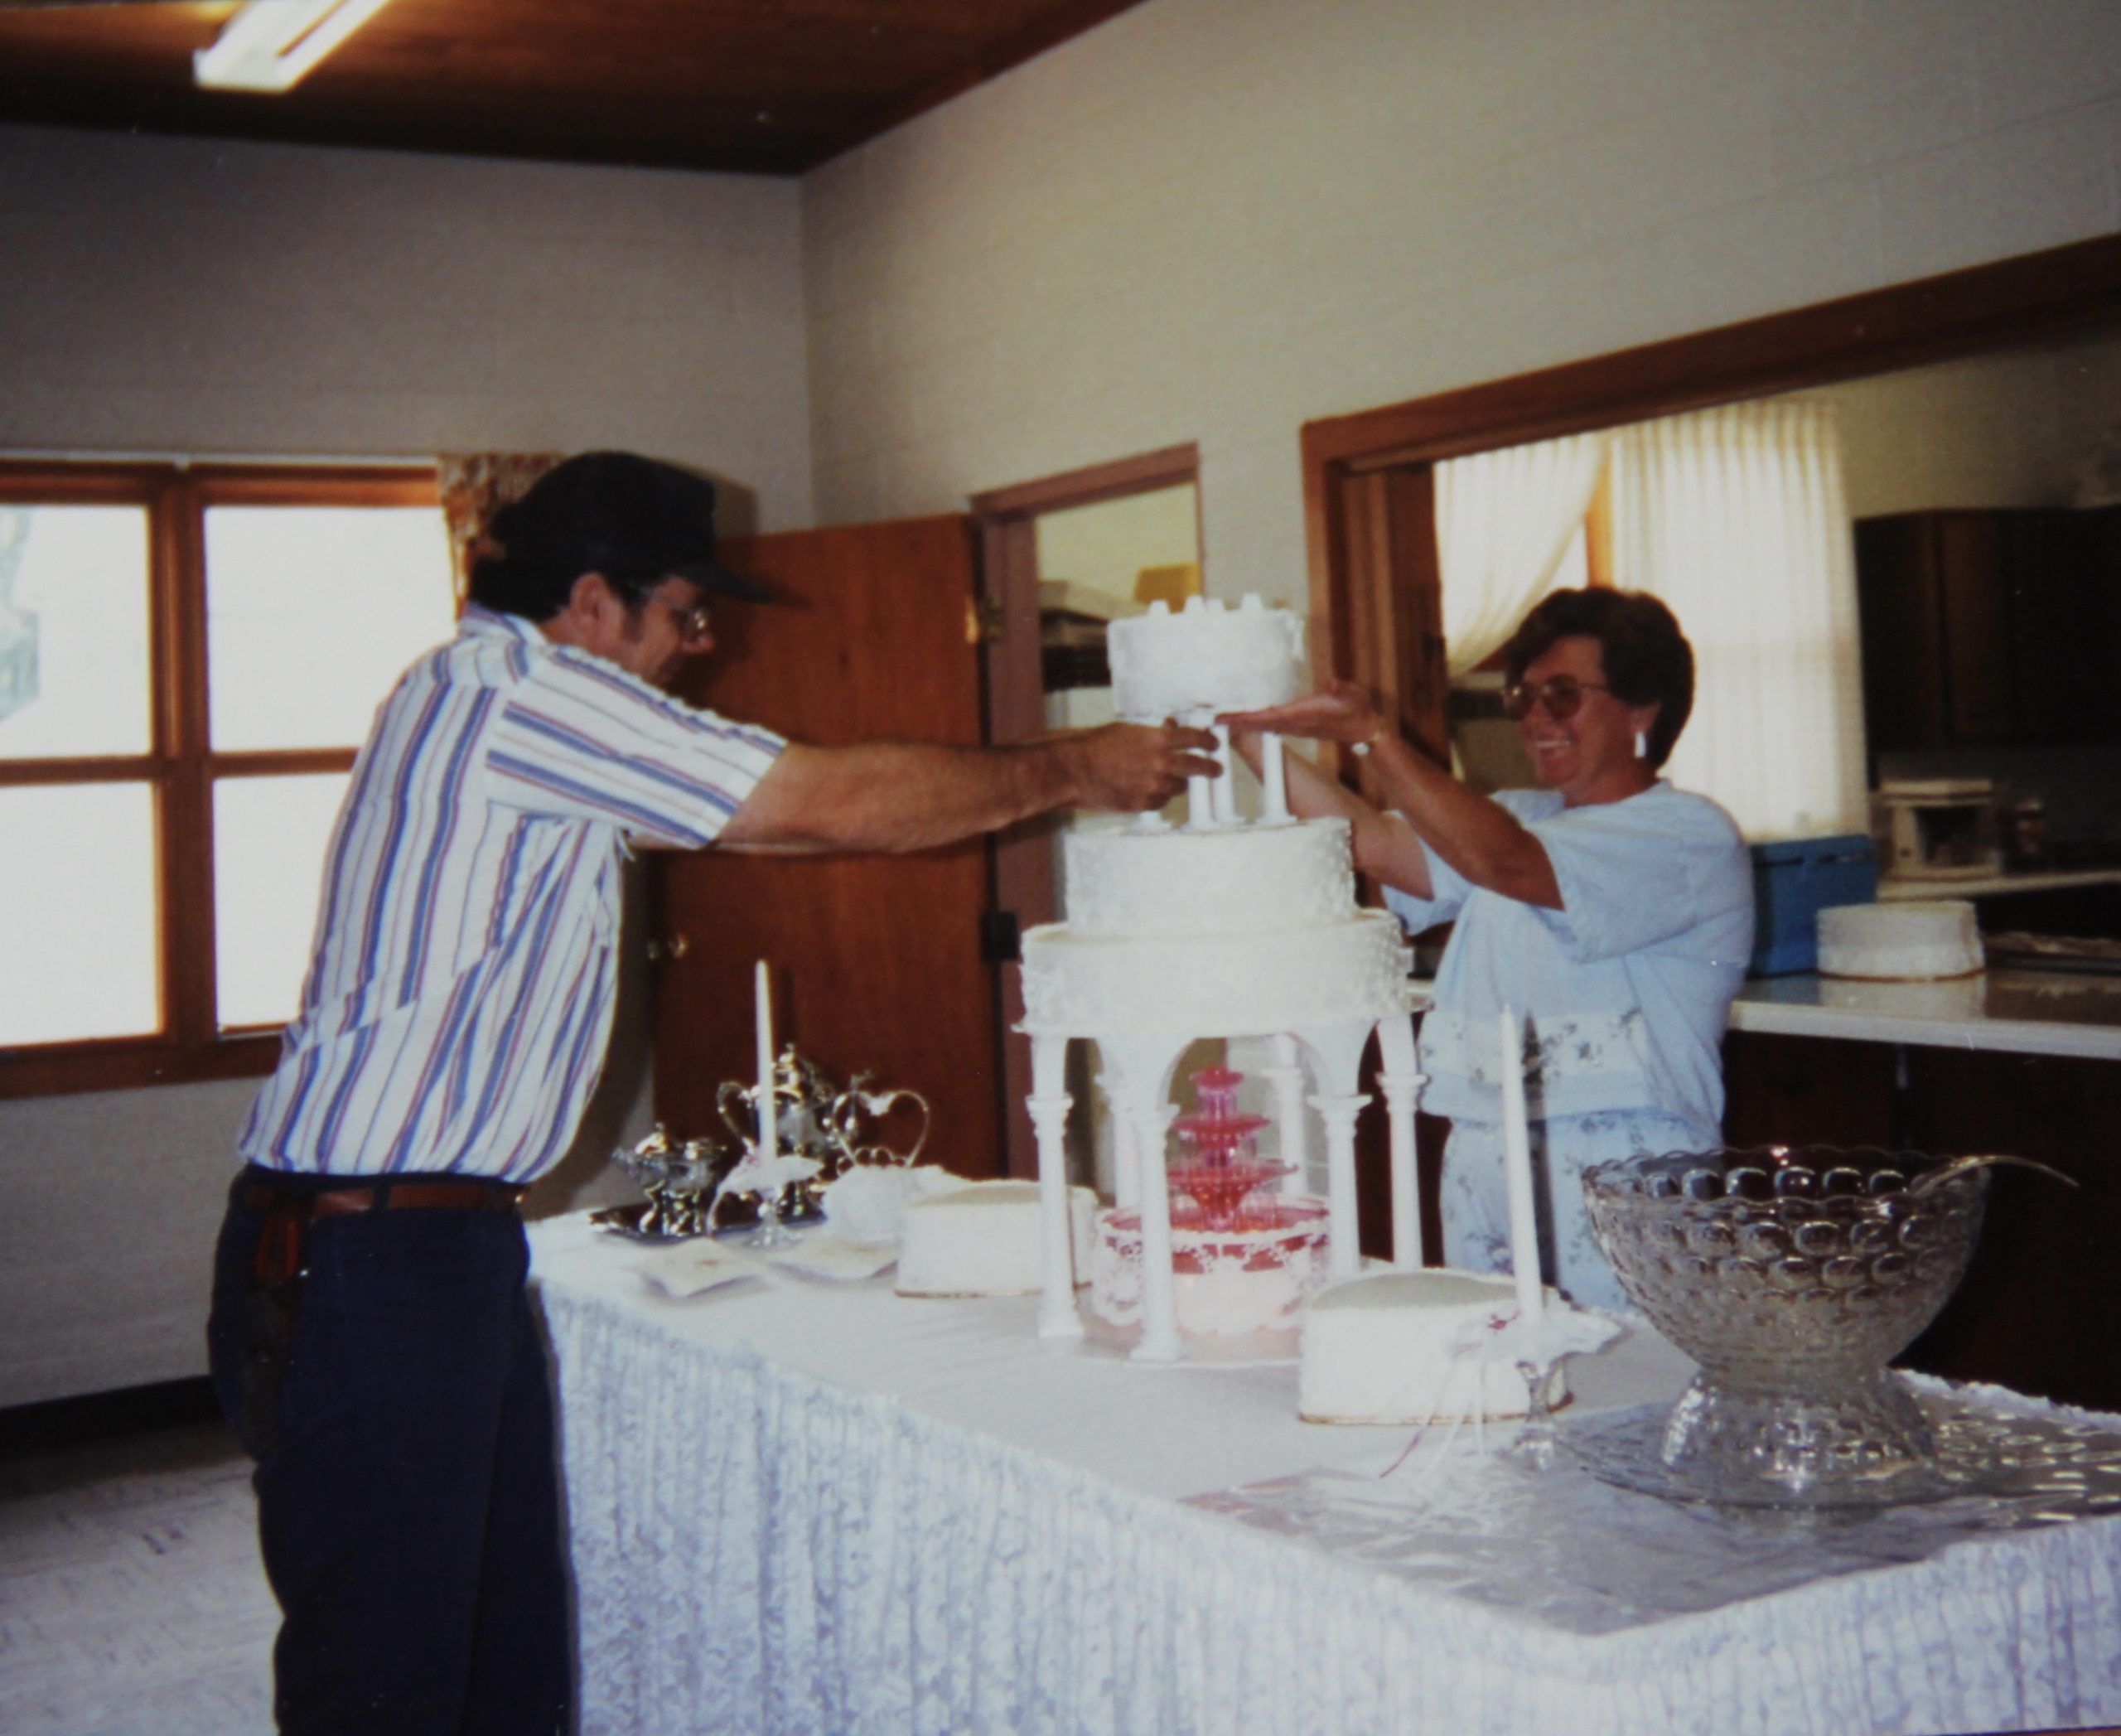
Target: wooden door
<point>876,959</point>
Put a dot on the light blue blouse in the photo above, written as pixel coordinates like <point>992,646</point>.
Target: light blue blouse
<point>1625,989</point>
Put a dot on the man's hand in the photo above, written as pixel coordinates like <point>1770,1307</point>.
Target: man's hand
<point>1339,712</point>
<point>1131,767</point>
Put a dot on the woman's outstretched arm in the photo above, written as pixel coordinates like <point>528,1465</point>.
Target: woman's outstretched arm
<point>1480,838</point>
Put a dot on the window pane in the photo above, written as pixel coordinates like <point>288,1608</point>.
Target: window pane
<point>73,631</point>
<point>78,957</point>
<point>312,613</point>
<point>270,838</point>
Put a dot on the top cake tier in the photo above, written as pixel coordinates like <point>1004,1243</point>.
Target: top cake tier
<point>1207,657</point>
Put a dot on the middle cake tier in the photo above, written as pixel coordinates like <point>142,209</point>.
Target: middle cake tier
<point>1244,930</point>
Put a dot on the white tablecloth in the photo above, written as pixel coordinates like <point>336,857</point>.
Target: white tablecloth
<point>802,1507</point>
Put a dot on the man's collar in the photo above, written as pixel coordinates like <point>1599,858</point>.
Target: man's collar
<point>498,624</point>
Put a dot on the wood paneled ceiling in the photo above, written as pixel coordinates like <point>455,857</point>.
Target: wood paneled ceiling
<point>771,87</point>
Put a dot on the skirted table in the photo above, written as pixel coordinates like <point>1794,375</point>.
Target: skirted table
<point>797,1505</point>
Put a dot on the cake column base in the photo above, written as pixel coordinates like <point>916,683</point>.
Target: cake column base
<point>1142,1066</point>
<point>1401,1080</point>
<point>1058,1318</point>
<point>1287,1077</point>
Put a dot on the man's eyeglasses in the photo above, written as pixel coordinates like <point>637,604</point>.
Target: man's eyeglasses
<point>693,625</point>
<point>1562,695</point>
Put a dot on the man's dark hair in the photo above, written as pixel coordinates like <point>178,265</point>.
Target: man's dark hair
<point>1646,658</point>
<point>537,586</point>
<point>636,520</point>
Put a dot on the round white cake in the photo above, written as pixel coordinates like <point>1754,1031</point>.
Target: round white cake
<point>1406,1348</point>
<point>1206,657</point>
<point>983,1239</point>
<point>1247,931</point>
<point>1912,941</point>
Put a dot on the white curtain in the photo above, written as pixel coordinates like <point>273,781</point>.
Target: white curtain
<point>1505,521</point>
<point>1736,517</point>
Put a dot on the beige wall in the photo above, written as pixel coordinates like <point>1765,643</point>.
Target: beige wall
<point>195,298</point>
<point>2004,430</point>
<point>1213,219</point>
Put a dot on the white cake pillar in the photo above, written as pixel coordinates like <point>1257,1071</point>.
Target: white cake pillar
<point>1286,1075</point>
<point>1200,791</point>
<point>1402,1080</point>
<point>1274,780</point>
<point>1143,1065</point>
<point>1338,1049</point>
<point>1344,1252</point>
<point>1126,1159</point>
<point>1225,786</point>
<point>1049,1103</point>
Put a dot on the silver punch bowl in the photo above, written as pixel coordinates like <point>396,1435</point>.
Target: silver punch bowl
<point>1792,1275</point>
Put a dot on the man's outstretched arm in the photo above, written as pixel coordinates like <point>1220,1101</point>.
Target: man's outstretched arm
<point>910,796</point>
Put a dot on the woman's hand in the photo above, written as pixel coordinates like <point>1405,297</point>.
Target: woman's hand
<point>1341,712</point>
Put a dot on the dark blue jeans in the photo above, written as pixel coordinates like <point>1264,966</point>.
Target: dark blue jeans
<point>408,1494</point>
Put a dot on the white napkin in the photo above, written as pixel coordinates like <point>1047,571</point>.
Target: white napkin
<point>701,1263</point>
<point>833,1257</point>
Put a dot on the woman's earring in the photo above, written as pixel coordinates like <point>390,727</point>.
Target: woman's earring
<point>1641,745</point>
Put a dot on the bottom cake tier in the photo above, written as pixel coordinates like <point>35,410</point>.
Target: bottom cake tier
<point>1211,985</point>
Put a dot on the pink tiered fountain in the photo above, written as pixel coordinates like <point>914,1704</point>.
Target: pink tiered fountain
<point>1243,1258</point>
<point>1221,1166</point>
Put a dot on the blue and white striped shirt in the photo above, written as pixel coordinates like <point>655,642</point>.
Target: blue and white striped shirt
<point>456,1010</point>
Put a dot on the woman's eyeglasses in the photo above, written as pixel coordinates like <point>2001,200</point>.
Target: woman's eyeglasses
<point>1562,695</point>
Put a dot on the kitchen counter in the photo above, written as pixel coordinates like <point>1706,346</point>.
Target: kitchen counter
<point>2001,882</point>
<point>2009,1012</point>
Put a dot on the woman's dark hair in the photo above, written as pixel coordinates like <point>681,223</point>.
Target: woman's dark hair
<point>1646,658</point>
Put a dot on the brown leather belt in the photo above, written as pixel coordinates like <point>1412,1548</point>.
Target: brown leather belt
<point>389,1196</point>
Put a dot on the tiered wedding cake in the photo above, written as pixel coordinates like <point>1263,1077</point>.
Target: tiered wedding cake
<point>1221,926</point>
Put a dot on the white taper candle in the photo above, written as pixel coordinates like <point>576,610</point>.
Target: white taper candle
<point>1517,1169</point>
<point>763,1009</point>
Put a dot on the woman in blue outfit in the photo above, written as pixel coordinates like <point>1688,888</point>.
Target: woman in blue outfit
<point>1612,911</point>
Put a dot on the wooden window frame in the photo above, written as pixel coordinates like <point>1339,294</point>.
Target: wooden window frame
<point>180,765</point>
<point>1362,600</point>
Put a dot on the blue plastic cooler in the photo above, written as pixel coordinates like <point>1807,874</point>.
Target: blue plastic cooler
<point>1793,880</point>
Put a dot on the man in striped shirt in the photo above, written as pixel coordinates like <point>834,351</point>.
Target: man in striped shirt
<point>370,1335</point>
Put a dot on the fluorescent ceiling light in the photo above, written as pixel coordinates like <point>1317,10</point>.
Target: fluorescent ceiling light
<point>270,44</point>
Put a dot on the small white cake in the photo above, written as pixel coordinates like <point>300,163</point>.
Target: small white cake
<point>1915,941</point>
<point>1206,657</point>
<point>983,1239</point>
<point>1407,1348</point>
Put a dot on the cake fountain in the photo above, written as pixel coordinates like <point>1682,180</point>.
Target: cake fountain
<point>1243,1257</point>
<point>1791,1275</point>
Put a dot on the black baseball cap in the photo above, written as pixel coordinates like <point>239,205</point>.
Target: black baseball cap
<point>618,513</point>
